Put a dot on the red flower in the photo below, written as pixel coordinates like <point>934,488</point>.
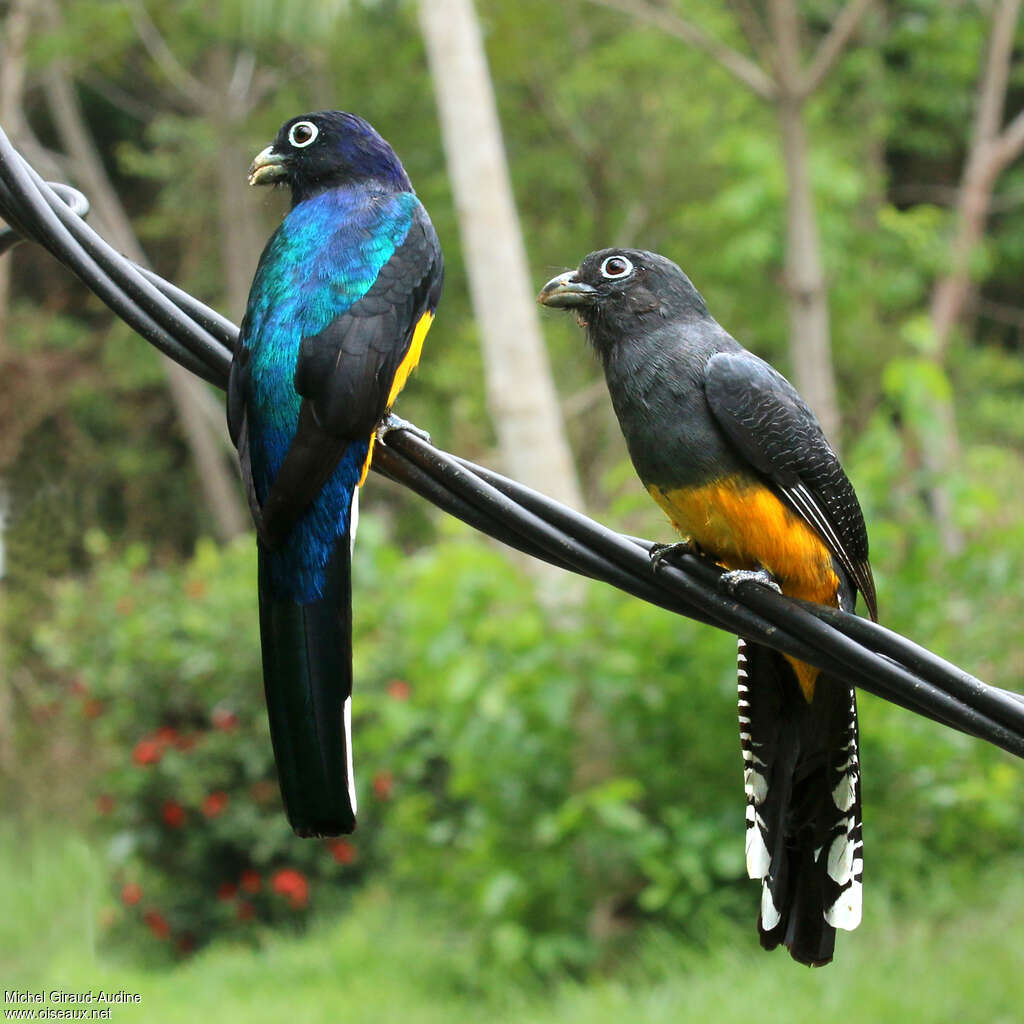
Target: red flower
<point>291,883</point>
<point>148,751</point>
<point>214,804</point>
<point>250,881</point>
<point>383,785</point>
<point>224,719</point>
<point>173,814</point>
<point>104,803</point>
<point>342,851</point>
<point>131,894</point>
<point>246,911</point>
<point>166,735</point>
<point>157,923</point>
<point>398,689</point>
<point>226,891</point>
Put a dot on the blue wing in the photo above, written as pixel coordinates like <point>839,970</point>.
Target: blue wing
<point>339,291</point>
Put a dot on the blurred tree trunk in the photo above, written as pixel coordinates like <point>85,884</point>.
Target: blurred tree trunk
<point>16,28</point>
<point>782,78</point>
<point>240,233</point>
<point>207,444</point>
<point>521,393</point>
<point>12,88</point>
<point>230,88</point>
<point>806,292</point>
<point>991,150</point>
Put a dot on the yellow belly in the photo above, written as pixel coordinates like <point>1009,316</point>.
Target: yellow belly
<point>743,525</point>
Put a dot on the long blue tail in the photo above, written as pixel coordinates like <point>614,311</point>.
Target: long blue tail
<point>307,675</point>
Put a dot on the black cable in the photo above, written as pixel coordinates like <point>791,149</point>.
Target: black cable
<point>867,655</point>
<point>1002,705</point>
<point>28,202</point>
<point>864,668</point>
<point>219,326</point>
<point>17,232</point>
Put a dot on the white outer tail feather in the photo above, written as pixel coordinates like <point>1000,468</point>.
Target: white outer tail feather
<point>353,525</point>
<point>845,863</point>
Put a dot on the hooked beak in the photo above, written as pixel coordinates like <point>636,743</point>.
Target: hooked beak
<point>566,291</point>
<point>268,168</point>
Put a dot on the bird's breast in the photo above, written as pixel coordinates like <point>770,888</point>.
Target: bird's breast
<point>744,525</point>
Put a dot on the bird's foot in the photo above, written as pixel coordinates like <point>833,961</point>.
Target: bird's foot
<point>662,554</point>
<point>731,580</point>
<point>393,422</point>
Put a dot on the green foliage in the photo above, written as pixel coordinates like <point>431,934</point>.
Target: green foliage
<point>164,661</point>
<point>615,133</point>
<point>552,781</point>
<point>559,779</point>
<point>951,955</point>
<point>530,835</point>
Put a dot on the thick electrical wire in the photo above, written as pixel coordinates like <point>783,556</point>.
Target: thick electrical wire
<point>866,654</point>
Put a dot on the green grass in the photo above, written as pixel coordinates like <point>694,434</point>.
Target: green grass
<point>385,962</point>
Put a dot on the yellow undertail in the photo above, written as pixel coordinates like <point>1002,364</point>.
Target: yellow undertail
<point>743,525</point>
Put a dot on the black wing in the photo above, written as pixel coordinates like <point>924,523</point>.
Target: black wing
<point>345,374</point>
<point>773,427</point>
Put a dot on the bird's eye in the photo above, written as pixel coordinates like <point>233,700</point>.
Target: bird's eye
<point>302,133</point>
<point>616,266</point>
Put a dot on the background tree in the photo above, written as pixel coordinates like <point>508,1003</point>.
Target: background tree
<point>782,78</point>
<point>991,149</point>
<point>521,392</point>
<point>124,625</point>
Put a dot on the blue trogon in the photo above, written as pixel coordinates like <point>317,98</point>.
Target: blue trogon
<point>343,296</point>
<point>738,462</point>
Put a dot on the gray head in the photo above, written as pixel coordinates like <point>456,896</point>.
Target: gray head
<point>619,293</point>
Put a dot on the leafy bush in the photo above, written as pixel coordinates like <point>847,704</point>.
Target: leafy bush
<point>166,659</point>
<point>555,781</point>
<point>549,780</point>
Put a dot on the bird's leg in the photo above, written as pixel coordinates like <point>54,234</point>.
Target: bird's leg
<point>660,554</point>
<point>393,422</point>
<point>731,580</point>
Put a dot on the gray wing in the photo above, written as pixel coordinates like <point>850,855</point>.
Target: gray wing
<point>772,426</point>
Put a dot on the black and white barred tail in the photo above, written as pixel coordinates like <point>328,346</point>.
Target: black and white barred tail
<point>801,774</point>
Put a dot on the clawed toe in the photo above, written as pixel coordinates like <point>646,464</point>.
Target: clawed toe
<point>662,554</point>
<point>393,422</point>
<point>731,580</point>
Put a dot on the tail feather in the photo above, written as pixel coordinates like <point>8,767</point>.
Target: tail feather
<point>802,779</point>
<point>307,675</point>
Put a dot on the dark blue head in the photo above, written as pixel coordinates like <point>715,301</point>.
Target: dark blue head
<point>316,152</point>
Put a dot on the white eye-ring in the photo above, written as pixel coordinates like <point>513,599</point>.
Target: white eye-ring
<point>302,134</point>
<point>616,266</point>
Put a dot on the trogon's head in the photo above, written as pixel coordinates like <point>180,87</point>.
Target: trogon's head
<point>328,149</point>
<point>619,293</point>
